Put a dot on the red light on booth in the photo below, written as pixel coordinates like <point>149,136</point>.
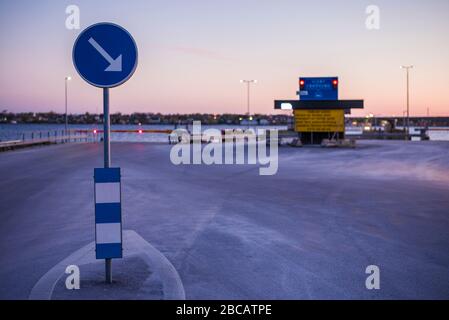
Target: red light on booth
<point>95,131</point>
<point>335,83</point>
<point>140,131</point>
<point>301,84</point>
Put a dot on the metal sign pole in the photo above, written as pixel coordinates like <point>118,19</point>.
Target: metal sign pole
<point>107,128</point>
<point>97,45</point>
<point>107,162</point>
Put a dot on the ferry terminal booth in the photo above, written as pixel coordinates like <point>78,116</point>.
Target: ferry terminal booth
<point>319,114</point>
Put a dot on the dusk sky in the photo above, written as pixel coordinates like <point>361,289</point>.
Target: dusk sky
<point>192,54</point>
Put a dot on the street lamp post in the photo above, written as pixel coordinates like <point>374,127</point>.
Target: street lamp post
<point>407,68</point>
<point>67,79</point>
<point>248,84</point>
<point>403,120</point>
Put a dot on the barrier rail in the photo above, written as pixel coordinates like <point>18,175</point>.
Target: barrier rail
<point>17,144</point>
<point>126,131</point>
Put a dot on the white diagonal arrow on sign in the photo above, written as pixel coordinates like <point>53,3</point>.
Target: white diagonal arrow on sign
<point>114,64</point>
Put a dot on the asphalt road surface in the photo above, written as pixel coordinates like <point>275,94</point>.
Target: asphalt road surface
<point>307,232</point>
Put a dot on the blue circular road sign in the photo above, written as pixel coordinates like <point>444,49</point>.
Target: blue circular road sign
<point>105,55</point>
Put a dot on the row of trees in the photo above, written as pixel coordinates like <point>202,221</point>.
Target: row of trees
<point>139,118</point>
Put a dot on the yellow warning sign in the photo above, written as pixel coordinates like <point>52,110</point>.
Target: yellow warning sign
<point>319,120</point>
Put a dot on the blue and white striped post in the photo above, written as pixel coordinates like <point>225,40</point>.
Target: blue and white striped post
<point>108,216</point>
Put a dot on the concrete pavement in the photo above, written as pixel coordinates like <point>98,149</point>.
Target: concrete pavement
<point>307,232</point>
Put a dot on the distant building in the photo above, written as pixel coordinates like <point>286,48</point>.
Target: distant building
<point>246,122</point>
<point>154,120</point>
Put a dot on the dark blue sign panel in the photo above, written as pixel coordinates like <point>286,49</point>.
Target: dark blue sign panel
<point>318,88</point>
<point>105,55</point>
